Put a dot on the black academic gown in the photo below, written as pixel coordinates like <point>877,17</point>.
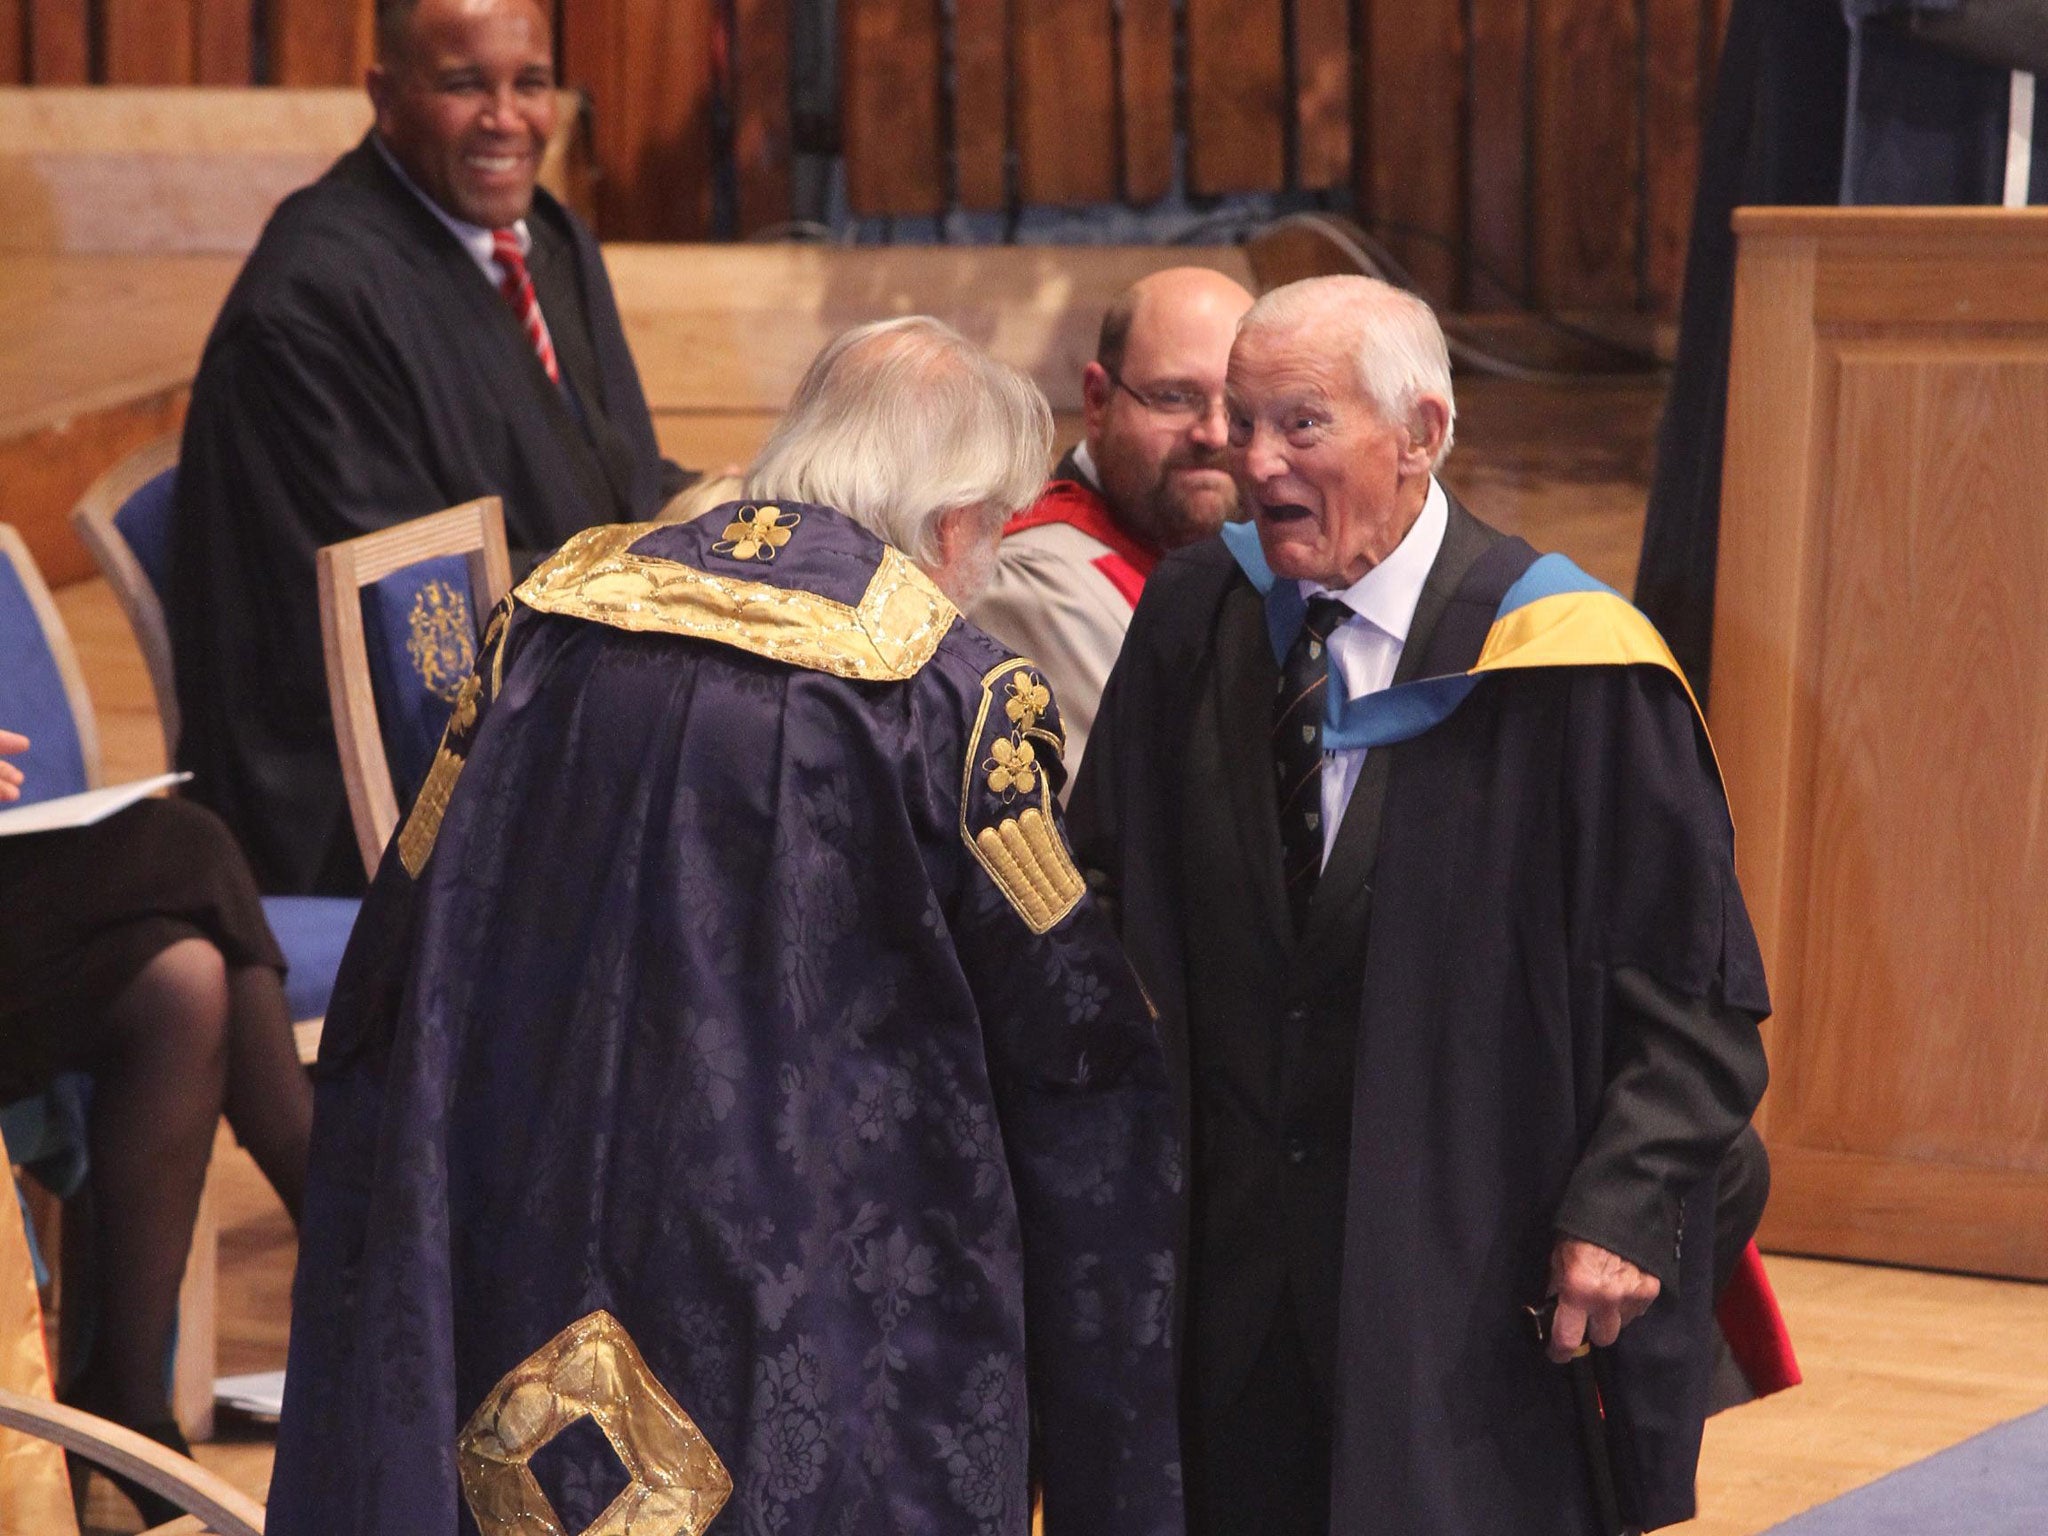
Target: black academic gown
<point>1807,110</point>
<point>362,372</point>
<point>1774,136</point>
<point>1556,1028</point>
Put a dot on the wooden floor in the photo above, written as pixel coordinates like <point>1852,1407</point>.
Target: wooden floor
<point>1899,1364</point>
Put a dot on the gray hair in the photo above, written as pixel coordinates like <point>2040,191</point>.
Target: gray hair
<point>899,421</point>
<point>1398,347</point>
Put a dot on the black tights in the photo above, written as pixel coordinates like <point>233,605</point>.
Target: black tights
<point>188,1040</point>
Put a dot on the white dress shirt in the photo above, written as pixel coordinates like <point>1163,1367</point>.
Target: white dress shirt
<point>476,240</point>
<point>1084,461</point>
<point>1366,648</point>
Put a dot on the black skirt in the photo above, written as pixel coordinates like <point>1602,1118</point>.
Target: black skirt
<point>83,912</point>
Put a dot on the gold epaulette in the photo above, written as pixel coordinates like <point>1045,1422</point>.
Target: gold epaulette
<point>1004,818</point>
<point>887,636</point>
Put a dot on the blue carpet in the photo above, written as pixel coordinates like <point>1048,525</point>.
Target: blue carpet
<point>1993,1485</point>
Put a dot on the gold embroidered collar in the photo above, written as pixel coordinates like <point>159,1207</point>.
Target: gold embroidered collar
<point>886,637</point>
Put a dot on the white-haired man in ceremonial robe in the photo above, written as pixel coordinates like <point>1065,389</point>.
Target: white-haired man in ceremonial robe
<point>732,1094</point>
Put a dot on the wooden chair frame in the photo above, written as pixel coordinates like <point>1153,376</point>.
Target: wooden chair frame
<point>214,1504</point>
<point>476,530</point>
<point>92,519</point>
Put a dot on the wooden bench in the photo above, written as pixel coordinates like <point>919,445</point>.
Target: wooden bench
<point>129,210</point>
<point>96,350</point>
<point>722,333</point>
<point>182,169</point>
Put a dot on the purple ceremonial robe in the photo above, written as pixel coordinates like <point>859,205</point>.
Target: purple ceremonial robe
<point>705,986</point>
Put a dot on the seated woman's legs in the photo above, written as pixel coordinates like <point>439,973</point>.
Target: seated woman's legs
<point>269,1097</point>
<point>157,1095</point>
<point>187,1040</point>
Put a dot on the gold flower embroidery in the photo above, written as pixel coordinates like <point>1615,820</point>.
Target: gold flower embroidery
<point>464,713</point>
<point>1017,844</point>
<point>757,533</point>
<point>1012,768</point>
<point>1029,698</point>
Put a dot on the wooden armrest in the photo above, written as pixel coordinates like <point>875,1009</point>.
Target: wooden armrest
<point>223,1507</point>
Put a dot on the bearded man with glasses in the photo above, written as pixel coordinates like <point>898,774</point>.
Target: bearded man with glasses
<point>1149,475</point>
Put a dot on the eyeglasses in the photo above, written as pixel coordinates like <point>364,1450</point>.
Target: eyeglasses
<point>1172,404</point>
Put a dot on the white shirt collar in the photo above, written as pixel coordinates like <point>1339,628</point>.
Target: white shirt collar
<point>475,239</point>
<point>1084,461</point>
<point>1385,596</point>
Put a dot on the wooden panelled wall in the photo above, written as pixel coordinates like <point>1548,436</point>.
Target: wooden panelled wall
<point>1549,144</point>
<point>183,42</point>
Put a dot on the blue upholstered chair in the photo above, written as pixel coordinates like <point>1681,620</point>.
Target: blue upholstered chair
<point>42,691</point>
<point>400,611</point>
<point>124,518</point>
<point>42,695</point>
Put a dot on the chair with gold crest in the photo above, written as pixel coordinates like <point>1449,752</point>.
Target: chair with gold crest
<point>400,611</point>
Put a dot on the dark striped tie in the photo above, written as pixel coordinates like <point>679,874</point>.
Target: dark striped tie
<point>1298,751</point>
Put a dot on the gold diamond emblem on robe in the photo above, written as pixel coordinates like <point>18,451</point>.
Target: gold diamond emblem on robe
<point>590,1369</point>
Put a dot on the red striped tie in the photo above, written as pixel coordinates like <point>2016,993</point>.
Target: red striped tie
<point>518,291</point>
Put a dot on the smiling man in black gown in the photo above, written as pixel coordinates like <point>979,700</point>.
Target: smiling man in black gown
<point>420,327</point>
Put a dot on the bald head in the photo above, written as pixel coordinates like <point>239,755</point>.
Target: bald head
<point>1191,291</point>
<point>1153,404</point>
<point>397,18</point>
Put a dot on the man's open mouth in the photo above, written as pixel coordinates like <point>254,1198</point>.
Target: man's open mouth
<point>1284,512</point>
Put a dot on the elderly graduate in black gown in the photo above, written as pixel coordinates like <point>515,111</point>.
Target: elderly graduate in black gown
<point>420,327</point>
<point>1419,847</point>
<point>730,1053</point>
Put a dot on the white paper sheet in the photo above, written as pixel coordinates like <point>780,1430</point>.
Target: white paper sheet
<point>261,1396</point>
<point>2019,140</point>
<point>81,810</point>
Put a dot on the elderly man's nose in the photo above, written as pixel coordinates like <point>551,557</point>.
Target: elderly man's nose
<point>1261,460</point>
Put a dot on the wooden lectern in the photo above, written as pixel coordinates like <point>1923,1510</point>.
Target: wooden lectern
<point>1880,703</point>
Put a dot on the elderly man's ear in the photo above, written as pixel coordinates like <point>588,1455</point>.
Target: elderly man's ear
<point>967,538</point>
<point>1428,423</point>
